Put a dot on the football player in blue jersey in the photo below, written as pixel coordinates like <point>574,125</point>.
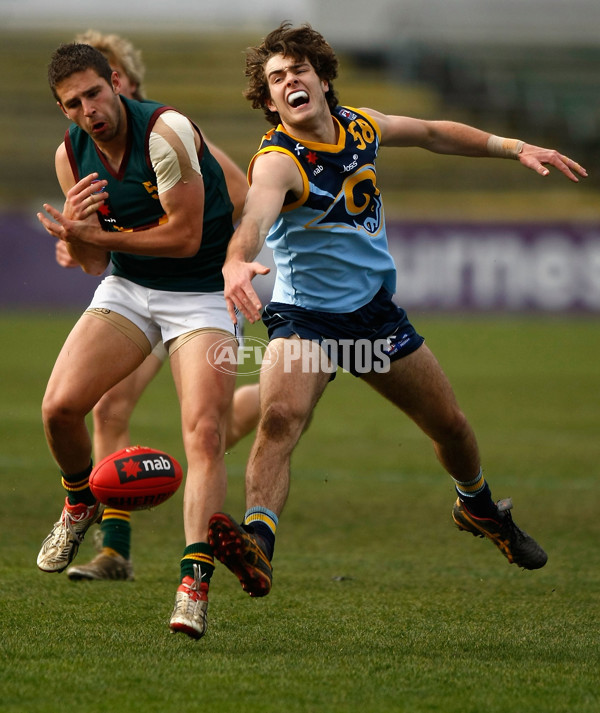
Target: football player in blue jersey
<point>314,200</point>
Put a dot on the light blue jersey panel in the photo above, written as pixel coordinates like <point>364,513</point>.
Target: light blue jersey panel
<point>330,269</point>
<point>330,247</point>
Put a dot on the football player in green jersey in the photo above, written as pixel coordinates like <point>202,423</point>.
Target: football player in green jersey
<point>111,415</point>
<point>144,193</point>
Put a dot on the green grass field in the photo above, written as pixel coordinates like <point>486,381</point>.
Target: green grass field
<point>379,604</point>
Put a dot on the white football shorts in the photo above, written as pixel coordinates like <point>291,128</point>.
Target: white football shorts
<point>159,315</point>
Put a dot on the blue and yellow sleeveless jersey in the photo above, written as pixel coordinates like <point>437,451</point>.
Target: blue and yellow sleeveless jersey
<point>330,245</point>
<point>134,204</point>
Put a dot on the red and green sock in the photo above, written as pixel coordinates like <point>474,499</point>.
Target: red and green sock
<point>201,554</point>
<point>116,531</point>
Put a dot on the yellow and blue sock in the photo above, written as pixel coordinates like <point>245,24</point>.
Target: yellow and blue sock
<point>262,522</point>
<point>476,495</point>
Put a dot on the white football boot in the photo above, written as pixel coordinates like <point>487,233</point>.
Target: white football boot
<point>191,603</point>
<point>60,547</point>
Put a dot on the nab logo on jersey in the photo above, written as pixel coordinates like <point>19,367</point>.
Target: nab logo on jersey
<point>358,204</point>
<point>105,217</point>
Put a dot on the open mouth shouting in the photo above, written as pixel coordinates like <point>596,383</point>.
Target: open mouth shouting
<point>297,98</point>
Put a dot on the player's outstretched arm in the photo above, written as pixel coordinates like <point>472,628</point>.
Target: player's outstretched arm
<point>273,176</point>
<point>450,137</point>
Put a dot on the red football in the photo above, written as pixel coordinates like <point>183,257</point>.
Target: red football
<point>135,478</point>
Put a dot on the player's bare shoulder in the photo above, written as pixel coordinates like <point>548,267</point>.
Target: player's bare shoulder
<point>173,148</point>
<point>277,169</point>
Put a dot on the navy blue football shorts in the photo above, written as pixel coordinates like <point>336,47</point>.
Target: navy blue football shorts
<point>365,340</point>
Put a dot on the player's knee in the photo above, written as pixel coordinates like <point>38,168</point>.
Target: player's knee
<point>205,438</point>
<point>59,412</point>
<point>456,427</point>
<point>281,420</point>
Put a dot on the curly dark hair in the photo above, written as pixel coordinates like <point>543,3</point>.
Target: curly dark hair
<point>301,43</point>
<point>76,57</point>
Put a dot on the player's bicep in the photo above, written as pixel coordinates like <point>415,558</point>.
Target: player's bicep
<point>174,157</point>
<point>173,151</point>
<point>400,130</point>
<point>274,176</point>
<point>185,200</point>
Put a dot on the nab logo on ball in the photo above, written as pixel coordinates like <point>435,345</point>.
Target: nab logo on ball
<point>135,478</point>
<point>145,466</point>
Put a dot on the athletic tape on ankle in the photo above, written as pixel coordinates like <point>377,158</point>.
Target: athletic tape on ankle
<point>504,148</point>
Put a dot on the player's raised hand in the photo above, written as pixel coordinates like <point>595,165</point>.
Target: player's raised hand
<point>73,231</point>
<point>82,202</point>
<point>238,288</point>
<point>85,197</point>
<point>537,159</point>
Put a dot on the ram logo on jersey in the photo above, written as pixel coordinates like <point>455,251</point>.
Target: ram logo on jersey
<point>358,204</point>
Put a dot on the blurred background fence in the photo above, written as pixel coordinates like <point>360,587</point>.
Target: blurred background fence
<point>467,234</point>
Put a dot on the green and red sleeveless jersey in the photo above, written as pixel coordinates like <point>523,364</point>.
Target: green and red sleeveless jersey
<point>134,204</point>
